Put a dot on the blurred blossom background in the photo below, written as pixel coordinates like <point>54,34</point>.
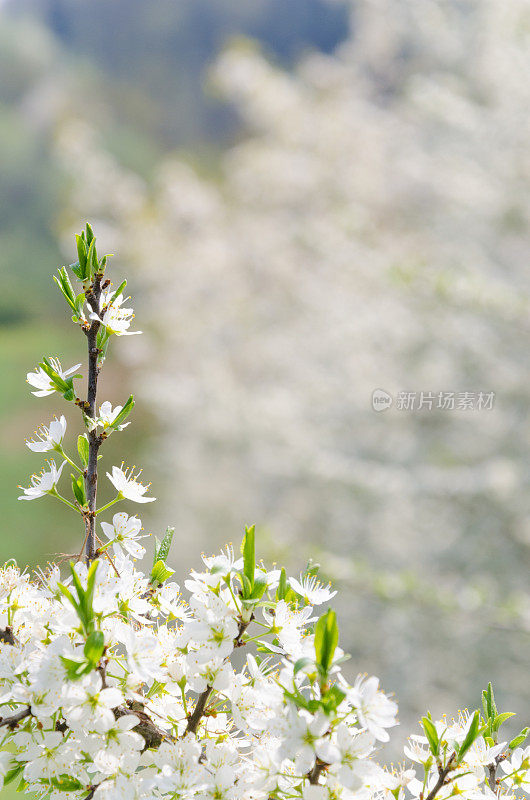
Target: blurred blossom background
<point>312,200</point>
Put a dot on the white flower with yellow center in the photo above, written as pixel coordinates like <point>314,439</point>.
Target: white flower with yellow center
<point>42,484</point>
<point>49,438</point>
<point>43,382</point>
<point>128,486</point>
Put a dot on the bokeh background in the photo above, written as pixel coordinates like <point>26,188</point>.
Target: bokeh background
<point>312,200</point>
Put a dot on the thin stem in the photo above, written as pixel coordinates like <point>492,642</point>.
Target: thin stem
<point>104,508</point>
<point>72,463</point>
<point>65,501</point>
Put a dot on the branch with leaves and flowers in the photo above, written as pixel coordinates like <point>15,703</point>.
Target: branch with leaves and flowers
<point>112,685</point>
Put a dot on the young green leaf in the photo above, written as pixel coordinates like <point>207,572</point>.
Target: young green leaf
<point>518,740</point>
<point>63,282</point>
<point>163,549</point>
<point>91,259</point>
<point>431,734</point>
<point>160,573</point>
<point>81,272</point>
<point>83,449</point>
<point>118,291</point>
<point>249,554</point>
<point>78,489</point>
<point>94,647</point>
<point>326,639</point>
<point>470,737</point>
<point>66,784</point>
<point>283,586</point>
<point>500,719</point>
<point>12,774</point>
<point>124,413</point>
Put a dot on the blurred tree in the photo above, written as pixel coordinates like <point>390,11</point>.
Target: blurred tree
<point>161,51</point>
<point>370,231</point>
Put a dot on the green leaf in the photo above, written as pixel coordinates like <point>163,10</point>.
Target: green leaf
<point>518,740</point>
<point>12,774</point>
<point>470,736</point>
<point>66,784</point>
<point>160,573</point>
<point>89,233</point>
<point>91,583</point>
<point>124,413</point>
<point>326,639</point>
<point>82,256</point>
<point>54,376</point>
<point>332,699</point>
<point>118,291</point>
<point>63,282</point>
<point>249,554</point>
<point>501,718</point>
<point>491,708</point>
<point>94,647</point>
<point>302,663</point>
<point>79,302</point>
<point>283,586</point>
<point>163,549</point>
<point>155,554</point>
<point>91,259</point>
<point>297,698</point>
<point>22,786</point>
<point>260,584</point>
<point>75,669</point>
<point>83,448</point>
<point>247,588</point>
<point>78,489</point>
<point>431,734</point>
<point>83,605</point>
<point>156,688</point>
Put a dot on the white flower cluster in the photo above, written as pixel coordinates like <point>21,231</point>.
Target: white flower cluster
<point>113,685</point>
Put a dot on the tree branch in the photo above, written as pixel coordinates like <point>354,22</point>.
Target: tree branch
<point>93,296</point>
<point>443,772</point>
<point>198,711</point>
<point>315,773</point>
<point>492,770</point>
<point>7,636</point>
<point>14,719</point>
<point>151,733</point>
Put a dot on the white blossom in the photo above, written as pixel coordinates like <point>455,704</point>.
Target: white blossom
<point>43,382</point>
<point>113,316</point>
<point>42,484</point>
<point>123,533</point>
<point>48,438</point>
<point>128,485</point>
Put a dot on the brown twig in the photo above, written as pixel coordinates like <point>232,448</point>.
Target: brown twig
<point>7,636</point>
<point>200,708</point>
<point>443,772</point>
<point>151,733</point>
<point>315,773</point>
<point>14,719</point>
<point>93,295</point>
<point>198,711</point>
<point>492,770</point>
